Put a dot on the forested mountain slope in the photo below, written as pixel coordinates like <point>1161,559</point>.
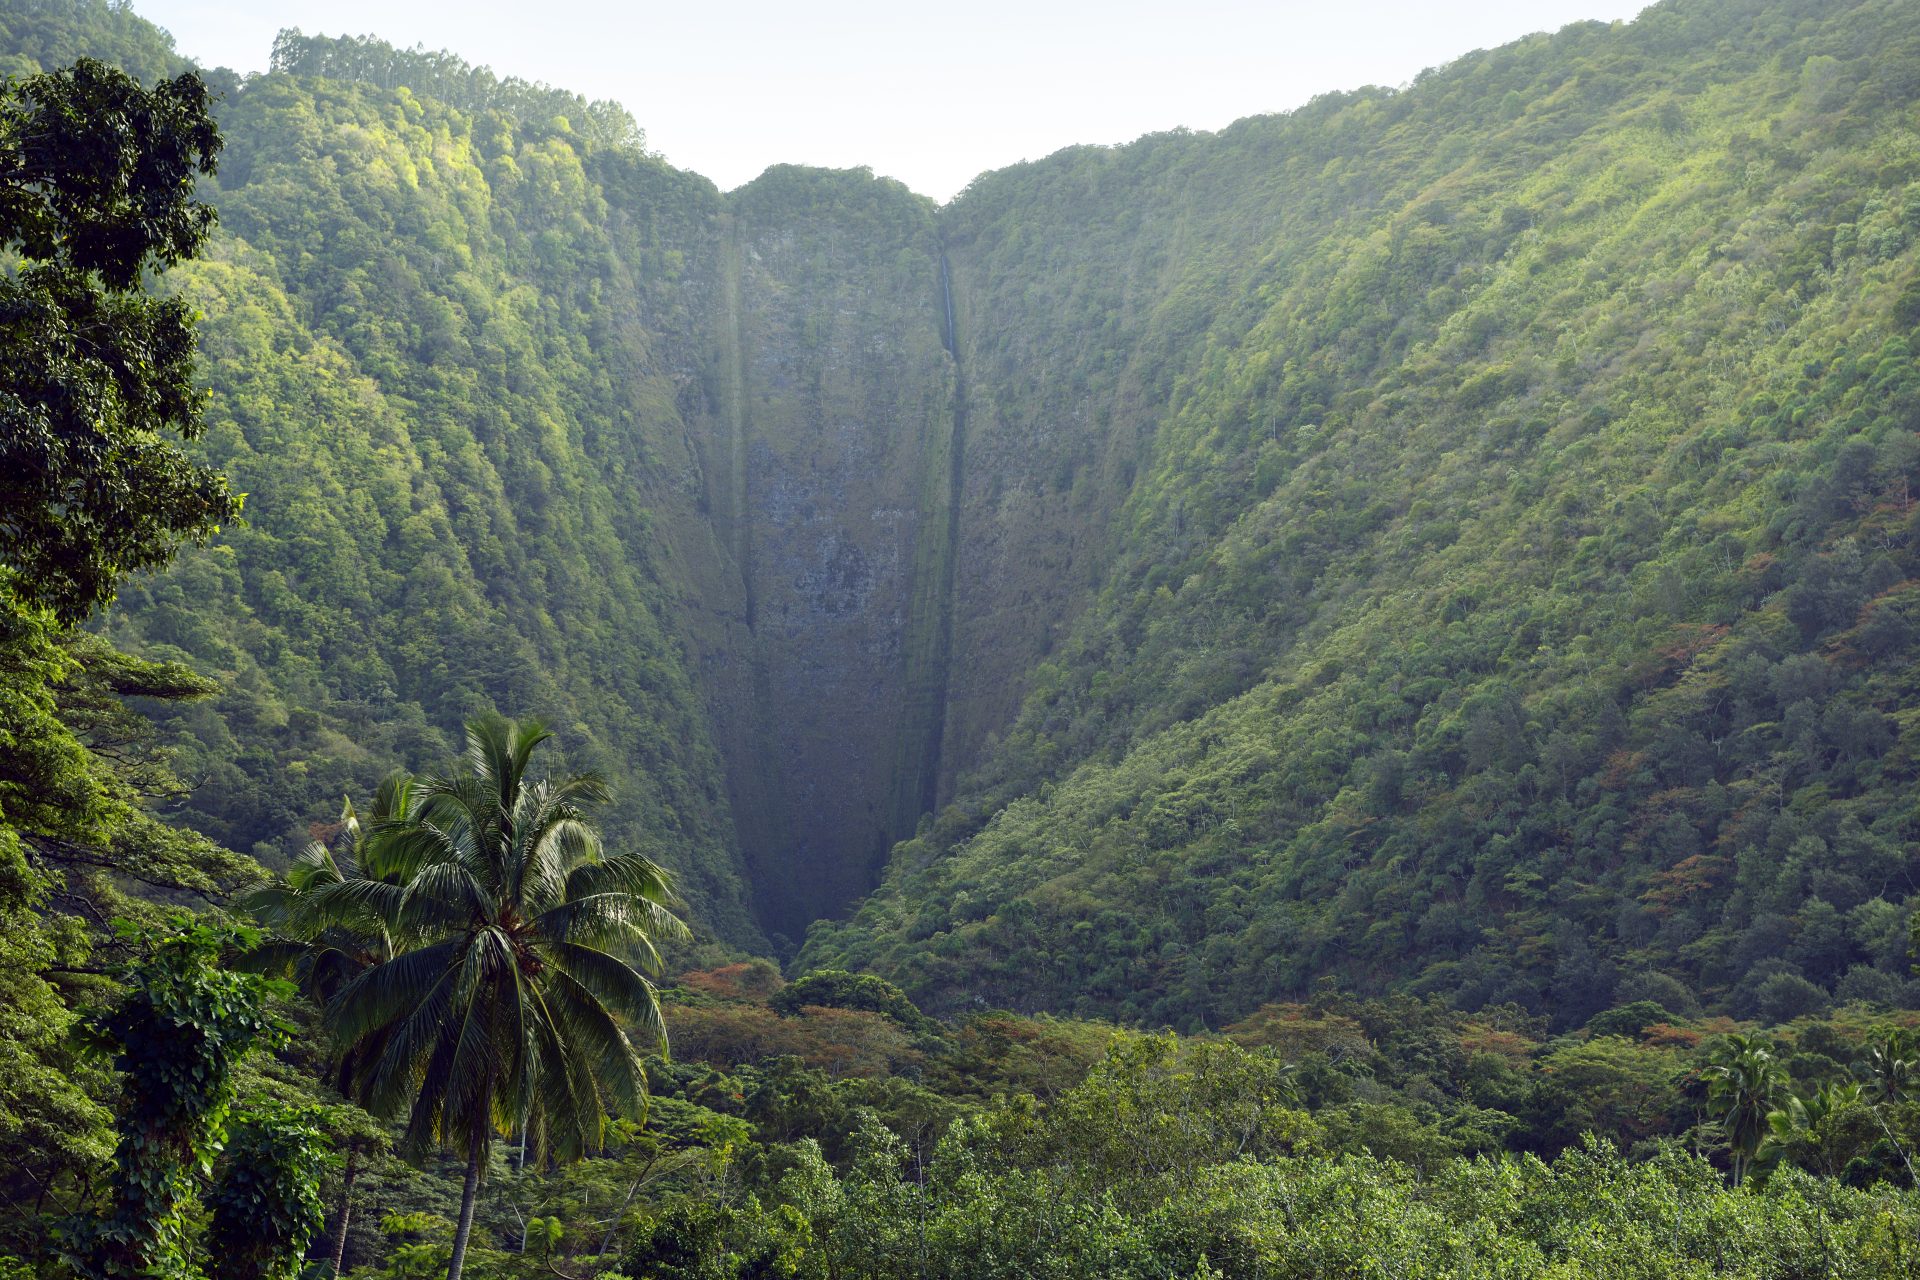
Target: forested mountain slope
<point>405,384</point>
<point>1456,538</point>
<point>528,418</point>
<point>1516,600</point>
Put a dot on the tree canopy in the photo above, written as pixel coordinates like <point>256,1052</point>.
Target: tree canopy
<point>96,181</point>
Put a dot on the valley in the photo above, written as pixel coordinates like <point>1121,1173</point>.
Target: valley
<point>1369,535</point>
<point>1363,658</point>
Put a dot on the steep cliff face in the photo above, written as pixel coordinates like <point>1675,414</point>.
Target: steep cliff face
<point>704,479</point>
<point>827,453</point>
<point>690,460</point>
<point>1069,374</point>
<point>863,575</point>
<point>1515,602</point>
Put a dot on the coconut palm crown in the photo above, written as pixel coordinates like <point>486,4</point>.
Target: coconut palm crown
<point>501,979</point>
<point>323,932</point>
<point>1745,1083</point>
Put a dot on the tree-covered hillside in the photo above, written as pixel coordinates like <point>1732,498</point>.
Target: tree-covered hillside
<point>415,333</point>
<point>1453,539</point>
<point>529,419</point>
<point>1516,598</point>
<point>1419,595</point>
<point>407,383</point>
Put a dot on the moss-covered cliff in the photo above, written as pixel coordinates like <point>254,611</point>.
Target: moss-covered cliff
<point>529,418</point>
<point>827,469</point>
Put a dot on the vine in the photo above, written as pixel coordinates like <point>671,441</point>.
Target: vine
<point>266,1207</point>
<point>176,1036</point>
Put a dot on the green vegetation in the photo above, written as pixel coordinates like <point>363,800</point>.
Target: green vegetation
<point>1417,596</point>
<point>1312,1140</point>
<point>1514,599</point>
<point>96,180</point>
<point>99,372</point>
<point>447,79</point>
<point>177,1037</point>
<point>422,389</point>
<point>266,1208</point>
<point>493,960</point>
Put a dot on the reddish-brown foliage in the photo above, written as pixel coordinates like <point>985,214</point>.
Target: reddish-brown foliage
<point>1681,881</point>
<point>754,980</point>
<point>842,1042</point>
<point>1294,1031</point>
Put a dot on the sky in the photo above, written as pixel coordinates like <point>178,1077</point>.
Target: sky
<point>929,94</point>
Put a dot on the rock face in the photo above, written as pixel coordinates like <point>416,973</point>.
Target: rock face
<point>825,449</point>
<point>873,554</point>
<point>803,486</point>
<point>688,474</point>
<point>1458,532</point>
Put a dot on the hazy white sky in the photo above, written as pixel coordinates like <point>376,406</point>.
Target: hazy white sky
<point>929,94</point>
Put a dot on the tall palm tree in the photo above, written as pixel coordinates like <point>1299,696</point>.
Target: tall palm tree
<point>1893,1075</point>
<point>519,955</point>
<point>1893,1065</point>
<point>1814,1129</point>
<point>323,932</point>
<point>324,936</point>
<point>1745,1083</point>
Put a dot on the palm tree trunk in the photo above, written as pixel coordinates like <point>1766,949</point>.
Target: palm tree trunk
<point>476,1153</point>
<point>347,1179</point>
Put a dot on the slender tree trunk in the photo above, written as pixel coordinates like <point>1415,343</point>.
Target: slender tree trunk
<point>347,1180</point>
<point>606,1241</point>
<point>476,1155</point>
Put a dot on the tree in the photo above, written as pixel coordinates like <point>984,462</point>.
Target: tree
<point>1745,1083</point>
<point>1893,1065</point>
<point>1607,1086</point>
<point>324,939</point>
<point>266,1206</point>
<point>325,932</point>
<point>519,947</point>
<point>96,178</point>
<point>1821,1132</point>
<point>176,1036</point>
<point>838,989</point>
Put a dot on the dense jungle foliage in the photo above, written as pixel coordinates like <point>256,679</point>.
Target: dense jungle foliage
<point>1515,602</point>
<point>402,320</point>
<point>1452,548</point>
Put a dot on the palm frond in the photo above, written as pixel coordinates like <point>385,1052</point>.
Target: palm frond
<point>481,957</point>
<point>624,873</point>
<point>590,1029</point>
<point>393,797</point>
<point>393,992</point>
<point>477,1064</point>
<point>613,919</point>
<point>553,1107</point>
<point>624,991</point>
<point>599,1066</point>
<point>275,957</point>
<point>445,895</point>
<point>559,840</point>
<point>396,848</point>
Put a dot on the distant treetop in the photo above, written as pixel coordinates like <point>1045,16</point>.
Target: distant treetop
<point>454,81</point>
